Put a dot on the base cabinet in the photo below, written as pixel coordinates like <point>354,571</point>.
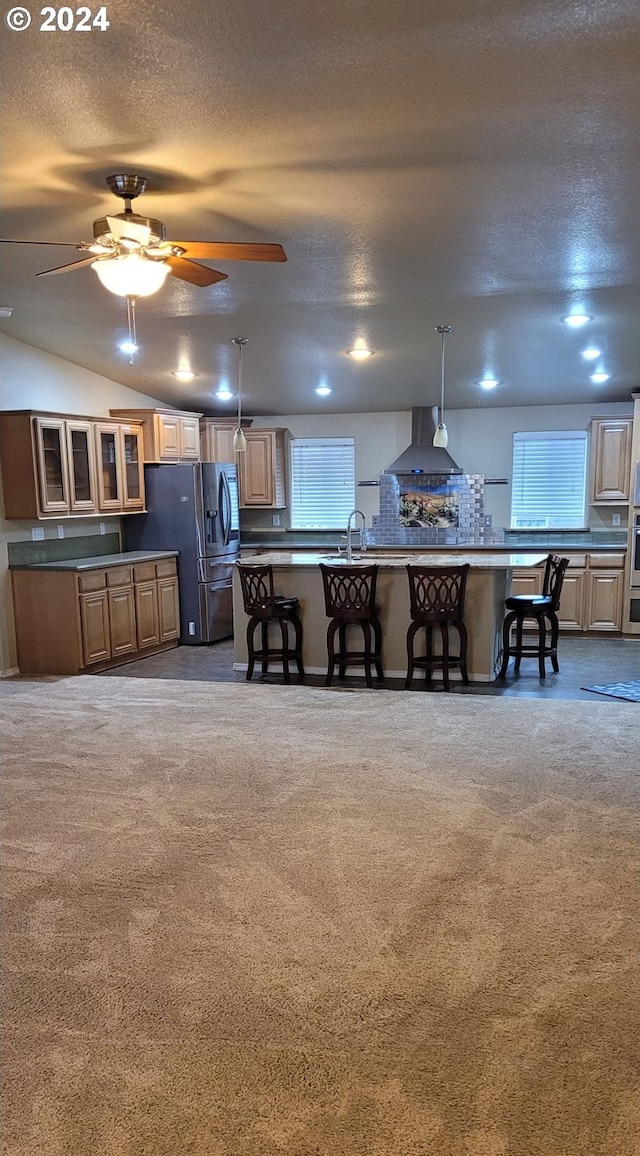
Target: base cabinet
<point>68,622</point>
<point>592,591</point>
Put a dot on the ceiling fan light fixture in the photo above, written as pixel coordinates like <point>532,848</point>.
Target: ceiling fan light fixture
<point>131,275</point>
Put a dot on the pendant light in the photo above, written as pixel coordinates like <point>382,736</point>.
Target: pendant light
<point>441,437</point>
<point>239,440</point>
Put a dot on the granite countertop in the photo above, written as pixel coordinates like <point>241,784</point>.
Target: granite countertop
<point>99,561</point>
<point>396,560</point>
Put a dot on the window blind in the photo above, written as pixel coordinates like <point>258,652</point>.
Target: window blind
<point>322,483</point>
<point>549,479</point>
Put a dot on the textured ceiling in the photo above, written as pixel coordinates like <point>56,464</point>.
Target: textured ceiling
<point>468,162</point>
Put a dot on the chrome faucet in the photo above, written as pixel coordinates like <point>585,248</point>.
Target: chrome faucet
<point>362,530</point>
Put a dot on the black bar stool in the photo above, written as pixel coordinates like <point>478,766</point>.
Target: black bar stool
<point>265,607</point>
<point>543,609</point>
<point>437,599</point>
<point>350,600</point>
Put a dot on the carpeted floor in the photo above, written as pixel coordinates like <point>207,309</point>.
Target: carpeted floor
<point>245,920</point>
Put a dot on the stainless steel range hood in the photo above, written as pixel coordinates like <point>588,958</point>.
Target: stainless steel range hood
<point>422,457</point>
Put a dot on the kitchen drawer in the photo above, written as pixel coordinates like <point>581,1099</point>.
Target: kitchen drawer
<point>92,580</point>
<point>576,561</point>
<point>119,576</point>
<point>167,568</point>
<point>606,561</point>
<point>144,572</point>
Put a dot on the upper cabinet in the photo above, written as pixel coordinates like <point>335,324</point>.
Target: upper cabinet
<point>610,461</point>
<point>169,435</point>
<point>261,468</point>
<point>54,466</point>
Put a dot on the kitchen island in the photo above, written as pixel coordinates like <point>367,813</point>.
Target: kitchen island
<point>298,575</point>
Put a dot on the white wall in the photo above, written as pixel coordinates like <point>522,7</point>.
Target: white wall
<point>480,441</point>
<point>35,380</point>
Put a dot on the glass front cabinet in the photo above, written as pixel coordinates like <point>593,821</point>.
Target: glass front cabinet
<point>52,465</point>
<point>62,466</point>
<point>120,476</point>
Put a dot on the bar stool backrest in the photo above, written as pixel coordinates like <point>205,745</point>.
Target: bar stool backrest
<point>257,590</point>
<point>437,593</point>
<point>349,592</point>
<point>553,579</point>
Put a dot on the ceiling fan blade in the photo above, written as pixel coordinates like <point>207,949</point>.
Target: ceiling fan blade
<point>67,268</point>
<point>13,241</point>
<point>129,230</point>
<point>194,273</point>
<point>231,250</point>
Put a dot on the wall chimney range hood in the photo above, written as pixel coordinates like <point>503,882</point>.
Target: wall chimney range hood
<point>422,457</point>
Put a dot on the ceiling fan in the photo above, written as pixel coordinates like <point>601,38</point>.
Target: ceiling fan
<point>132,256</point>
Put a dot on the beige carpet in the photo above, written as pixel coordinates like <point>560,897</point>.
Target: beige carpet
<point>246,920</point>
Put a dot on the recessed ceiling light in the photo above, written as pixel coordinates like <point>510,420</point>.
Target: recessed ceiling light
<point>360,352</point>
<point>590,353</point>
<point>184,375</point>
<point>224,394</point>
<point>489,382</point>
<point>128,347</point>
<point>576,320</point>
<point>323,391</point>
<point>600,377</point>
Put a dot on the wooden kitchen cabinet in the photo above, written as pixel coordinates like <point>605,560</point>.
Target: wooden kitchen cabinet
<point>610,461</point>
<point>70,621</point>
<point>64,466</point>
<point>120,469</point>
<point>572,599</point>
<point>216,440</point>
<point>261,470</point>
<point>168,435</point>
<point>592,590</point>
<point>605,592</point>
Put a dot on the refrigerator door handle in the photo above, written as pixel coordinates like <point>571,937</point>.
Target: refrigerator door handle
<point>225,508</point>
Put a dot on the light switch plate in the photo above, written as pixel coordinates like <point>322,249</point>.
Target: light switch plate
<point>615,519</point>
<point>37,534</point>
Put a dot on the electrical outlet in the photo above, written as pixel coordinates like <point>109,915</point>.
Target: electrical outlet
<point>103,527</point>
<point>615,519</point>
<point>37,534</point>
<point>61,531</point>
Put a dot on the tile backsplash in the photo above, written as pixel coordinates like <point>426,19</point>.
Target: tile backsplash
<point>465,490</point>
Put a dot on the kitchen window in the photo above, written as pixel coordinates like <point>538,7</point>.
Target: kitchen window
<point>323,483</point>
<point>549,483</point>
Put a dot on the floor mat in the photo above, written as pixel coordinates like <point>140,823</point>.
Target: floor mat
<point>628,690</point>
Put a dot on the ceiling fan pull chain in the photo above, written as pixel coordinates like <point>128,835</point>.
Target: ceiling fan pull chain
<point>131,322</point>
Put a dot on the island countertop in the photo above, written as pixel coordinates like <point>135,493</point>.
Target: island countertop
<point>395,560</point>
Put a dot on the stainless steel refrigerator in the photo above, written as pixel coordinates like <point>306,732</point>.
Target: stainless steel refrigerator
<point>194,509</point>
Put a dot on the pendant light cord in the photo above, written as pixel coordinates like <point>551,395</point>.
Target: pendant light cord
<point>239,441</point>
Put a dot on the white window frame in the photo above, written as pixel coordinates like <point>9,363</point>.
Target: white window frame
<point>323,482</point>
<point>549,480</point>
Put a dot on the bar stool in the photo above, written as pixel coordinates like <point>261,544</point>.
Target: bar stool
<point>543,609</point>
<point>264,607</point>
<point>350,600</point>
<point>437,599</point>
